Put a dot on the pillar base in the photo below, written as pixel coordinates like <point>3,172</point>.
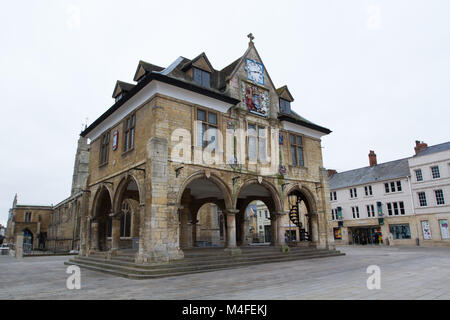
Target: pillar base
<point>112,253</point>
<point>284,248</point>
<point>233,251</point>
<point>159,256</point>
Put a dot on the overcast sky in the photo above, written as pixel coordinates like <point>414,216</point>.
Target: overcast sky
<point>377,73</point>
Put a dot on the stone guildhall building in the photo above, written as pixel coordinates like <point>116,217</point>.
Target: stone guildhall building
<point>184,141</point>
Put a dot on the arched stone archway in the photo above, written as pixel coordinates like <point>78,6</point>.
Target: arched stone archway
<point>196,191</point>
<point>302,208</point>
<point>264,191</point>
<point>100,219</point>
<point>126,216</point>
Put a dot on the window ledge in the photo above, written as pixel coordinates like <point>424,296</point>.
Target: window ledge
<point>125,153</point>
<point>103,165</point>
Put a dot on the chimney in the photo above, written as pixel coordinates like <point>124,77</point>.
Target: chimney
<point>420,146</point>
<point>331,172</point>
<point>372,158</point>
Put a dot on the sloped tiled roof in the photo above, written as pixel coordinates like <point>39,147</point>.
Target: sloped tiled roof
<point>383,171</point>
<point>433,149</point>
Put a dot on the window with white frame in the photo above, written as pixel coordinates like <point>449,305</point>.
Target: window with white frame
<point>368,190</point>
<point>419,176</point>
<point>396,208</point>
<point>394,186</point>
<point>334,214</point>
<point>422,199</point>
<point>439,197</point>
<point>435,172</point>
<point>333,196</point>
<point>353,193</point>
<point>355,212</point>
<point>370,211</point>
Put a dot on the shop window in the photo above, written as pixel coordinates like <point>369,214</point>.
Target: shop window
<point>400,231</point>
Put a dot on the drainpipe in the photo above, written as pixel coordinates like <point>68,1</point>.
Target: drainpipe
<point>414,211</point>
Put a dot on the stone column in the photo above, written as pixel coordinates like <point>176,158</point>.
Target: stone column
<point>231,247</point>
<point>281,241</point>
<point>273,229</point>
<point>142,233</point>
<point>86,236</point>
<point>185,229</point>
<point>194,232</point>
<point>94,235</point>
<point>19,246</point>
<point>244,231</point>
<point>115,234</point>
<point>314,232</point>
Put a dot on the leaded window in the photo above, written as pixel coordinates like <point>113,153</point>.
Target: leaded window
<point>202,78</point>
<point>104,149</point>
<point>207,129</point>
<point>297,150</point>
<point>129,134</point>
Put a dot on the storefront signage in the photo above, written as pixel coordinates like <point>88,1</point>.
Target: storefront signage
<point>426,230</point>
<point>443,224</point>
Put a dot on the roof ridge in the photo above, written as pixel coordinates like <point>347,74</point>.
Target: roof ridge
<point>379,164</point>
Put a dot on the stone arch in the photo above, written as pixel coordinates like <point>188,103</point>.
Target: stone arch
<point>200,188</point>
<point>308,194</point>
<point>270,197</point>
<point>211,177</point>
<point>278,205</point>
<point>101,188</point>
<point>121,188</point>
<point>308,227</point>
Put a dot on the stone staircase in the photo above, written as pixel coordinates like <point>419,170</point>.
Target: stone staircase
<point>195,261</point>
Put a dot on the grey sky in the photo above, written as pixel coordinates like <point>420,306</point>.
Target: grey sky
<point>377,73</point>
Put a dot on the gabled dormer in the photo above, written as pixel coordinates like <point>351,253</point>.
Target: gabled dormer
<point>121,89</point>
<point>199,70</point>
<point>285,100</point>
<point>144,68</point>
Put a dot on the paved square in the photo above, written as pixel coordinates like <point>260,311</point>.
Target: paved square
<point>406,273</point>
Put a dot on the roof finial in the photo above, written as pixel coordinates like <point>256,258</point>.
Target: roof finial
<point>251,37</point>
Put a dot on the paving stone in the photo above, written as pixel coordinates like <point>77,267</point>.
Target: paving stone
<point>406,273</point>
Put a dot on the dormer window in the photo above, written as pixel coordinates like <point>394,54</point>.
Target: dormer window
<point>119,97</point>
<point>285,106</point>
<point>202,78</point>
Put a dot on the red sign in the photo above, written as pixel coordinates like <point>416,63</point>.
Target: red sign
<point>115,141</point>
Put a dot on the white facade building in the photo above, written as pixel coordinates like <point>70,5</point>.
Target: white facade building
<point>430,183</point>
<point>379,204</point>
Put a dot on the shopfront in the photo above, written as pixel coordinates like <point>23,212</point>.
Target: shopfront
<point>365,235</point>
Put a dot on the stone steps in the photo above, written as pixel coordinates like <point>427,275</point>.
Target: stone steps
<point>204,260</point>
<point>193,264</point>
